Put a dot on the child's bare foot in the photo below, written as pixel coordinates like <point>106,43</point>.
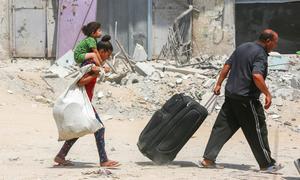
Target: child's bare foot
<point>110,163</point>
<point>62,162</point>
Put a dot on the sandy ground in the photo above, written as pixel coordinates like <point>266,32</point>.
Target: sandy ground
<point>28,144</point>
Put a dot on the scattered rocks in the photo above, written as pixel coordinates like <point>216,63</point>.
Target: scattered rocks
<point>100,94</point>
<point>179,81</point>
<point>100,172</point>
<point>275,116</point>
<point>286,123</point>
<point>42,99</point>
<point>14,159</point>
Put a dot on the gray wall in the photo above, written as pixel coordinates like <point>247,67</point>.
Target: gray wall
<point>131,16</point>
<point>281,17</point>
<point>213,27</point>
<point>4,32</point>
<point>164,14</point>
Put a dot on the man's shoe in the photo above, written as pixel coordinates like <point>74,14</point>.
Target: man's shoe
<point>272,169</point>
<point>297,164</point>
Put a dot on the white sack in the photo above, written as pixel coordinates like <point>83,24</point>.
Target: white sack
<point>73,111</point>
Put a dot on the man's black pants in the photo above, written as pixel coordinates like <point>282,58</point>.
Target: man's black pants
<point>249,115</point>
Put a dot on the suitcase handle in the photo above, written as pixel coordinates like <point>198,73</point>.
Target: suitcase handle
<point>211,101</point>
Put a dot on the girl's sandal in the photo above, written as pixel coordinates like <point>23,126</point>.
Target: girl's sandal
<point>110,164</point>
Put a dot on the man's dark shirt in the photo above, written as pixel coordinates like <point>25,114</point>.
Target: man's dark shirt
<point>249,58</point>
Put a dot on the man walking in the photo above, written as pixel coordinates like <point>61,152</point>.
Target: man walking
<point>247,68</point>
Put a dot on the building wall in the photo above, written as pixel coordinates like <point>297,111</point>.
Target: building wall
<point>213,27</point>
<point>164,13</point>
<point>4,32</point>
<point>283,18</point>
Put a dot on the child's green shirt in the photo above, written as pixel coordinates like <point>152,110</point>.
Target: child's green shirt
<point>84,46</point>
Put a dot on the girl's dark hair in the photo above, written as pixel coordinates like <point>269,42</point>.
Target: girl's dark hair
<point>90,28</point>
<point>105,44</point>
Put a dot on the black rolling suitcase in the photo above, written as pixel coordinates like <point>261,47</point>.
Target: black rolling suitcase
<point>170,128</point>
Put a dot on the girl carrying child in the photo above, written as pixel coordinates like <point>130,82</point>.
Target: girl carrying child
<point>87,48</point>
<point>89,80</point>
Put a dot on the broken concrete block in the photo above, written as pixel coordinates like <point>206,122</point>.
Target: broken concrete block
<point>280,63</point>
<point>155,76</point>
<point>42,99</point>
<point>178,70</point>
<point>108,94</point>
<point>287,123</point>
<point>100,95</point>
<point>284,93</point>
<point>274,53</point>
<point>52,75</point>
<point>275,116</point>
<point>295,83</point>
<point>139,53</point>
<point>209,83</point>
<point>185,77</point>
<point>272,110</point>
<point>179,81</point>
<point>106,117</point>
<point>64,65</point>
<point>144,69</point>
<point>171,85</point>
<point>278,102</point>
<point>116,78</point>
<point>200,76</point>
<point>162,74</point>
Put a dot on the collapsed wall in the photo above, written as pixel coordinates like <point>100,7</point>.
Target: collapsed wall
<point>213,27</point>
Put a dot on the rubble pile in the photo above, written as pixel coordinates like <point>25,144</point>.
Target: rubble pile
<point>132,95</point>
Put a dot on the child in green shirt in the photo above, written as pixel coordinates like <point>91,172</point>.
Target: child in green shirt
<point>87,48</point>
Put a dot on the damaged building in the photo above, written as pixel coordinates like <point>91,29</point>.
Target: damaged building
<point>213,27</point>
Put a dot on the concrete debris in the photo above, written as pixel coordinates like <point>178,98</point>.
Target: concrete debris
<point>209,83</point>
<point>42,99</point>
<point>14,159</point>
<point>139,53</point>
<point>106,117</point>
<point>295,82</point>
<point>130,95</point>
<point>275,116</point>
<point>64,65</point>
<point>101,172</point>
<point>286,123</point>
<point>144,69</point>
<point>50,75</point>
<point>100,94</point>
<point>117,78</point>
<point>108,94</point>
<point>179,81</point>
<point>156,76</point>
<point>171,85</point>
<point>277,102</point>
<point>177,70</point>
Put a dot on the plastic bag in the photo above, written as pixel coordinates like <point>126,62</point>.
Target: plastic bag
<point>73,111</point>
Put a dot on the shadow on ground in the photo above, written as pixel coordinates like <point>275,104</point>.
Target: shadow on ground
<point>174,163</point>
<point>76,165</point>
<point>291,178</point>
<point>241,167</point>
